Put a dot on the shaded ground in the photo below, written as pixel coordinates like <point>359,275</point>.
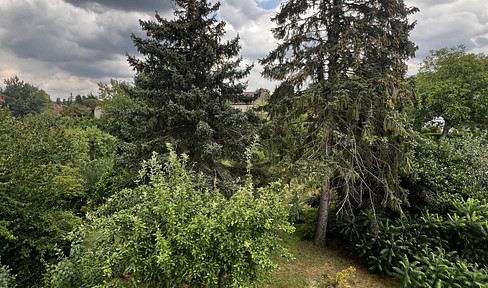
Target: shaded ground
<point>322,268</point>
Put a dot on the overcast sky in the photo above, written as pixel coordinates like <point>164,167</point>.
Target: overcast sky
<point>65,46</point>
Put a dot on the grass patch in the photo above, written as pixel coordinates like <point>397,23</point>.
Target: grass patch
<point>313,267</point>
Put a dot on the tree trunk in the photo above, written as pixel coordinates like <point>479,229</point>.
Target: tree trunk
<point>324,203</point>
<point>445,130</point>
<point>333,32</point>
<point>320,234</point>
<point>222,275</point>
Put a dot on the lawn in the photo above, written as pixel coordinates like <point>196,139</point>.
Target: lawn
<point>321,268</point>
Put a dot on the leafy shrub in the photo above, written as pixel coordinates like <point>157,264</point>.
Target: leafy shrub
<point>429,251</point>
<point>41,189</point>
<point>112,180</point>
<point>306,223</point>
<point>431,130</point>
<point>465,229</point>
<point>7,280</point>
<point>176,230</point>
<point>448,170</point>
<point>440,269</point>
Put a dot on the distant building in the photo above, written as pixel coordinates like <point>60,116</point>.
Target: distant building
<point>247,100</point>
<point>96,111</point>
<point>57,108</point>
<point>437,122</point>
<point>1,100</point>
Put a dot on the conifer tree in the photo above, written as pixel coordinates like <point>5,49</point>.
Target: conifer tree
<point>185,77</point>
<point>345,61</point>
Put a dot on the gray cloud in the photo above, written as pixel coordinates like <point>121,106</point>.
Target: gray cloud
<point>70,45</point>
<point>430,3</point>
<point>449,23</point>
<point>61,39</point>
<point>253,25</point>
<point>59,35</point>
<point>482,41</point>
<point>125,5</point>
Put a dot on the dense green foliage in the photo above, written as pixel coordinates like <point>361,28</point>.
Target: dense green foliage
<point>75,110</point>
<point>46,173</point>
<point>453,85</point>
<point>452,169</point>
<point>343,67</point>
<point>442,240</point>
<point>116,104</point>
<point>184,80</point>
<point>177,230</point>
<point>23,98</point>
<point>40,186</point>
<point>6,278</point>
<point>431,250</point>
<point>89,100</point>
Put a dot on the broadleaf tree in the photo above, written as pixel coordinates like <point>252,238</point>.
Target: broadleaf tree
<point>345,63</point>
<point>185,77</point>
<point>454,85</point>
<point>41,190</point>
<point>23,98</point>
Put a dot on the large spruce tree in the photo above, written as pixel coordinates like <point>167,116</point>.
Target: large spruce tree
<point>345,62</point>
<point>185,77</point>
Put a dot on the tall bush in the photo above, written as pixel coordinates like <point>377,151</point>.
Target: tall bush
<point>177,230</point>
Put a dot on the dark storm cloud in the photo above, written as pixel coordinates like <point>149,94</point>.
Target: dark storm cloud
<point>95,70</point>
<point>72,38</point>
<point>126,5</point>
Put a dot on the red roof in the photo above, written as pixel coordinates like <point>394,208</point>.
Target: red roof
<point>57,107</point>
<point>1,100</point>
